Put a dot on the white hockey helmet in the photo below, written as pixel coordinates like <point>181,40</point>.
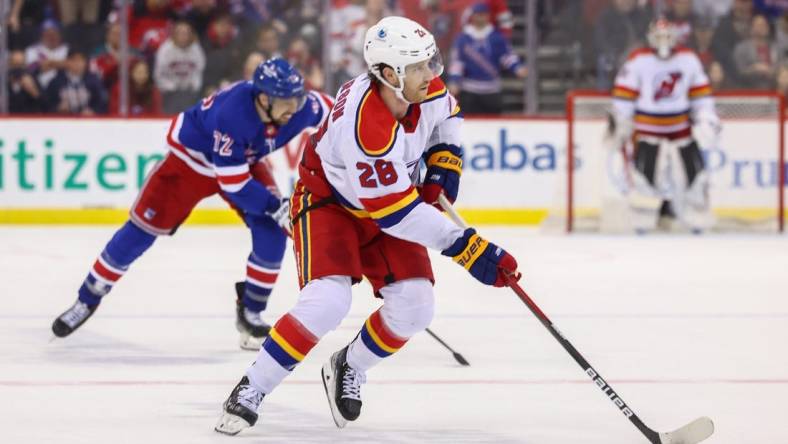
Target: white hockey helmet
<point>399,42</point>
<point>663,37</point>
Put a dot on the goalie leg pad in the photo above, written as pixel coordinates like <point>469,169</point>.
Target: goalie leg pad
<point>646,160</point>
<point>692,159</point>
<point>644,203</point>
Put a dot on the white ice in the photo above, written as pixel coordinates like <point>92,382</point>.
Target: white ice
<point>681,326</point>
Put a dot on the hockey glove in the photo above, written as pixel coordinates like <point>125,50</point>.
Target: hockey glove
<point>487,262</point>
<point>281,214</point>
<point>444,167</point>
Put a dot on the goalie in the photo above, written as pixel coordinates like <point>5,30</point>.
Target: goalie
<point>662,95</point>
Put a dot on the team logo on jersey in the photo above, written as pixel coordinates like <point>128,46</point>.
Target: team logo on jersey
<point>665,84</point>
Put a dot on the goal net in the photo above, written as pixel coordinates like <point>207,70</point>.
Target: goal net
<point>746,169</point>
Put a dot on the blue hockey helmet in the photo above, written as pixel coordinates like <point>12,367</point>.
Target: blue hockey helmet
<point>278,79</point>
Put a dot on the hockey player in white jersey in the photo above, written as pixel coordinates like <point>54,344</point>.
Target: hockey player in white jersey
<point>662,97</point>
<point>356,212</point>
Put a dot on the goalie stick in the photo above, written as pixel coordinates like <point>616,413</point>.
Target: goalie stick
<point>692,433</point>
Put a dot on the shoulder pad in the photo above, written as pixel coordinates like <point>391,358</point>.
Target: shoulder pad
<point>640,52</point>
<point>376,128</point>
<point>436,90</point>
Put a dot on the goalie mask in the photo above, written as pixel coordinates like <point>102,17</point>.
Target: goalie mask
<point>403,45</point>
<point>663,37</point>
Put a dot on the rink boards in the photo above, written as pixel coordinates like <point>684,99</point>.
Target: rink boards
<point>90,170</point>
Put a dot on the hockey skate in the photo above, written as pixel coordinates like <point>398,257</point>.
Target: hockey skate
<point>250,325</point>
<point>71,319</point>
<point>240,409</point>
<point>343,388</point>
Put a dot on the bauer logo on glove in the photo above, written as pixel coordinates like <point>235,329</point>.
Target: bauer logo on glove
<point>487,262</point>
<point>444,167</point>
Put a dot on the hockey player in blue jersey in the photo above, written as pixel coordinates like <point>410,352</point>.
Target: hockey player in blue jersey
<point>215,147</point>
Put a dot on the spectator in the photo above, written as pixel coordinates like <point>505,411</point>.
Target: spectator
<point>24,95</point>
<point>251,14</point>
<point>200,16</point>
<point>717,77</point>
<point>712,9</point>
<point>222,52</point>
<point>500,16</point>
<point>49,55</point>
<point>104,61</point>
<point>299,55</point>
<point>731,30</point>
<point>144,97</point>
<point>756,58</point>
<point>24,22</point>
<point>180,62</point>
<point>347,19</point>
<point>74,90</point>
<point>479,55</point>
<point>781,39</point>
<point>679,12</point>
<point>772,9</point>
<point>86,10</point>
<point>80,20</point>
<point>148,24</point>
<point>267,42</point>
<point>620,28</point>
<point>252,60</point>
<point>782,80</point>
<point>702,34</point>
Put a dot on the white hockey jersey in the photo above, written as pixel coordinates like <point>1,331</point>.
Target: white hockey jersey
<point>370,160</point>
<point>662,95</point>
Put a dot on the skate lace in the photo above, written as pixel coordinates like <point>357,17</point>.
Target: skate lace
<point>250,397</point>
<point>75,314</point>
<point>351,383</point>
<point>253,318</point>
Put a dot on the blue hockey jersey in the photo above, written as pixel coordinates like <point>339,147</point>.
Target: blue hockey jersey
<point>477,59</point>
<point>223,135</point>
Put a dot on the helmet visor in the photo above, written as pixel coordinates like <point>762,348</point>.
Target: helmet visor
<point>428,68</point>
<point>287,105</point>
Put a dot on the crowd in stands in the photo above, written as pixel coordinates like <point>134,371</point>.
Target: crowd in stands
<point>64,54</point>
<point>743,44</point>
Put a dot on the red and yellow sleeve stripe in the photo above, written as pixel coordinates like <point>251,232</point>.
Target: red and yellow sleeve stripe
<point>624,93</point>
<point>700,91</point>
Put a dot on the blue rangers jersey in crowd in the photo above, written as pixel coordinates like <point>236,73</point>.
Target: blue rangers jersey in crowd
<point>223,135</point>
<point>477,59</point>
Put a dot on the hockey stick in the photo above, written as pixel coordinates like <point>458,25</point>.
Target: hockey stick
<point>692,433</point>
<point>458,357</point>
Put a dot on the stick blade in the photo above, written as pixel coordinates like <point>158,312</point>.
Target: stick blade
<point>459,358</point>
<point>692,433</point>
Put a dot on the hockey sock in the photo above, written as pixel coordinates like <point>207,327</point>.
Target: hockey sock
<point>128,243</point>
<point>260,279</point>
<point>287,344</point>
<point>374,342</point>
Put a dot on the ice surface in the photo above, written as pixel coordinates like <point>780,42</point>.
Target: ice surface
<point>680,326</point>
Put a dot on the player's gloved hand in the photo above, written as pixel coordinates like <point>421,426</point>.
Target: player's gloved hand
<point>281,214</point>
<point>444,167</point>
<point>487,262</point>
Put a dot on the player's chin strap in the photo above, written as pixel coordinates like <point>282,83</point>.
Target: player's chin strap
<point>397,89</point>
